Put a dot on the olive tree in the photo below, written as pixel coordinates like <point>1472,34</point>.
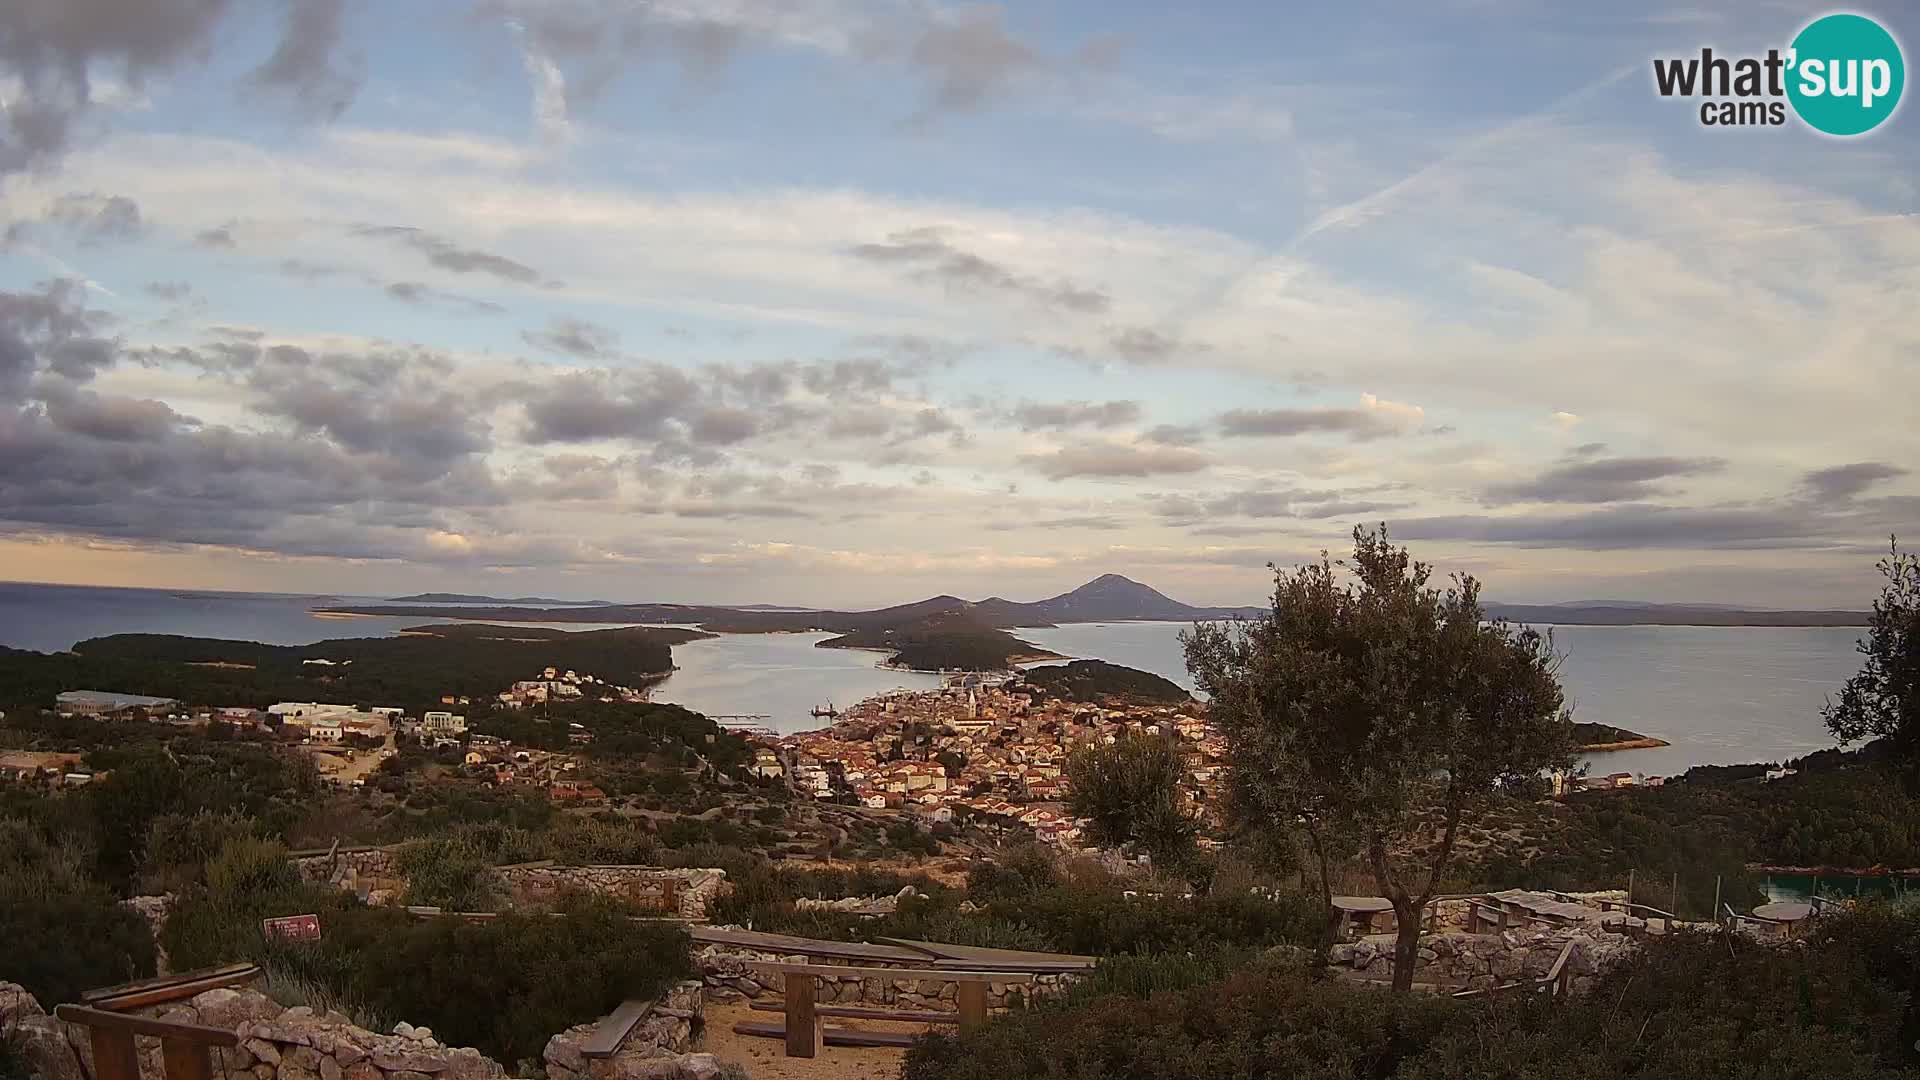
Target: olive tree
<point>1883,697</point>
<point>1371,707</point>
<point>1129,791</point>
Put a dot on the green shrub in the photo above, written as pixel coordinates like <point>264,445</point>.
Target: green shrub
<point>454,874</point>
<point>61,932</point>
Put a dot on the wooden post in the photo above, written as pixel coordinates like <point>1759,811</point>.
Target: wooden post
<point>1630,874</point>
<point>670,895</point>
<point>185,1060</point>
<point>803,1024</point>
<point>1673,897</point>
<point>1716,898</point>
<point>113,1055</point>
<point>973,1004</point>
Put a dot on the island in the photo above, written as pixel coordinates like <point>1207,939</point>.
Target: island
<point>1601,738</point>
<point>1098,682</point>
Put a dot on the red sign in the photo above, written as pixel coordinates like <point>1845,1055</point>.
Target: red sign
<point>292,928</point>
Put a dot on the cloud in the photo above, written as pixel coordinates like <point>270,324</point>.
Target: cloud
<point>1175,434</point>
<point>1628,527</point>
<point>1840,483</point>
<point>573,337</point>
<point>304,65</point>
<point>419,294</point>
<point>97,218</point>
<point>1375,418</point>
<point>968,58</point>
<point>1311,505</point>
<point>1566,421</point>
<point>1602,481</point>
<point>587,406</point>
<point>1112,459</point>
<point>168,290</point>
<point>1058,416</point>
<point>447,255</point>
<point>58,50</point>
<point>217,237</point>
<point>931,257</point>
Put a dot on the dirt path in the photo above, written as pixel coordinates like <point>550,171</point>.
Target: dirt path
<point>765,1059</point>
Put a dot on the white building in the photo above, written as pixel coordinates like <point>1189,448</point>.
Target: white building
<point>326,730</point>
<point>442,724</point>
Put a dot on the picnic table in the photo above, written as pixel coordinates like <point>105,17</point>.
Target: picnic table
<point>1786,914</point>
<point>1359,911</point>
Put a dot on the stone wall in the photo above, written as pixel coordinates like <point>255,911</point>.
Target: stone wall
<point>1454,958</point>
<point>693,890</point>
<point>275,1043</point>
<point>374,875</point>
<point>728,978</point>
<point>656,1049</point>
<point>153,910</point>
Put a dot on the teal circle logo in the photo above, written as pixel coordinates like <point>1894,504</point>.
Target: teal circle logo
<point>1845,74</point>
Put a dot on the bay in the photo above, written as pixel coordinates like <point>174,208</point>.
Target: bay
<point>1720,695</point>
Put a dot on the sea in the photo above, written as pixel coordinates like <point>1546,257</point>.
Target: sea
<point>1718,695</point>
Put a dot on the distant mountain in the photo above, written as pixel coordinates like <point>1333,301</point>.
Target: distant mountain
<point>469,598</point>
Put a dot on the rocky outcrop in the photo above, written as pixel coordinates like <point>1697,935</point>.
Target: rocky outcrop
<point>153,910</point>
<point>656,1049</point>
<point>728,978</point>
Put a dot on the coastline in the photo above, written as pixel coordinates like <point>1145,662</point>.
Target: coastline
<point>1642,743</point>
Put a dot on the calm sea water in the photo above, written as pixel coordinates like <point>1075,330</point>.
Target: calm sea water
<point>1720,695</point>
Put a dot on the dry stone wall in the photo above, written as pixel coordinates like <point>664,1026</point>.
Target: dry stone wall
<point>276,1043</point>
<point>728,978</point>
<point>374,875</point>
<point>655,1050</point>
<point>1452,958</point>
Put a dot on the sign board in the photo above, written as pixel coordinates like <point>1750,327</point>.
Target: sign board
<point>292,928</point>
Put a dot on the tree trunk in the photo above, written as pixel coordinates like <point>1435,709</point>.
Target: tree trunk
<point>1406,946</point>
<point>1330,919</point>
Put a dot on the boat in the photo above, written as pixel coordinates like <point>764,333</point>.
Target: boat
<point>827,711</point>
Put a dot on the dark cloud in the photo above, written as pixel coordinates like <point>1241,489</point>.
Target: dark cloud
<point>585,406</point>
<point>1842,482</point>
<point>1297,503</point>
<point>97,218</point>
<point>930,257</point>
<point>368,454</point>
<point>968,58</point>
<point>1630,526</point>
<point>420,295</point>
<point>574,337</point>
<point>1588,449</point>
<point>859,424</point>
<point>1145,345</point>
<point>1057,416</point>
<point>304,65</point>
<point>447,255</point>
<point>1603,481</point>
<point>218,237</point>
<point>1101,522</point>
<point>1114,459</point>
<point>1175,435</point>
<point>1355,423</point>
<point>57,48</point>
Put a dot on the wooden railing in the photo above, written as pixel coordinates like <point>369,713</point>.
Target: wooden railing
<point>183,1047</point>
<point>1557,980</point>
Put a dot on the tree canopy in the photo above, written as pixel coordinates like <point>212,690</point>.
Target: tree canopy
<point>1883,697</point>
<point>1130,793</point>
<point>1367,699</point>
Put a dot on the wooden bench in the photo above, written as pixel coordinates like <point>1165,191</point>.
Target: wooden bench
<point>615,1027</point>
<point>183,1047</point>
<point>165,988</point>
<point>828,1036</point>
<point>867,1012</point>
<point>804,1033</point>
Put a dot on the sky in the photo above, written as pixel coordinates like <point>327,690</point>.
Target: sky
<point>849,302</point>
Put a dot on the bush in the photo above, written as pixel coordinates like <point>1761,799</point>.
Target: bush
<point>1688,1005</point>
<point>454,874</point>
<point>63,932</point>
